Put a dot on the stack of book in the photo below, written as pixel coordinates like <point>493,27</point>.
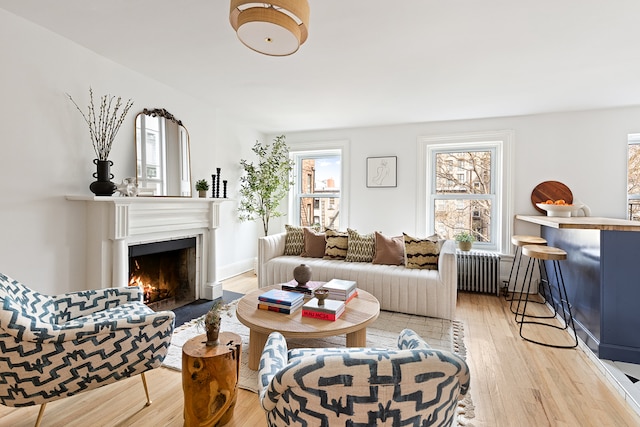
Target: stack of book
<point>341,290</point>
<point>307,289</point>
<point>330,310</point>
<point>280,301</point>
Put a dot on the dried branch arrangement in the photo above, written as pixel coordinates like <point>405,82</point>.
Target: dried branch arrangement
<point>104,127</point>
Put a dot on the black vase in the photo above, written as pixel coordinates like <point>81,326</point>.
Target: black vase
<point>103,186</point>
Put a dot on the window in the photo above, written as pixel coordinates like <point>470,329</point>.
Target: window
<point>465,184</point>
<point>633,177</point>
<point>468,207</point>
<point>317,197</point>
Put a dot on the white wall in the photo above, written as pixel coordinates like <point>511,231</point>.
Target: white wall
<point>46,152</point>
<point>585,150</point>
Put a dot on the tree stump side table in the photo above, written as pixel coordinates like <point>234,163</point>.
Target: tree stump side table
<point>210,379</point>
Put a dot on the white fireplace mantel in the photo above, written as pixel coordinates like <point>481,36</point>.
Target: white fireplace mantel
<point>115,223</point>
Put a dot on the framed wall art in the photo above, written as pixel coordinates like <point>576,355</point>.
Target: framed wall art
<point>382,172</point>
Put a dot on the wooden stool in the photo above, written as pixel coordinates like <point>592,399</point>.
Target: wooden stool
<point>210,379</point>
<point>519,241</point>
<point>539,254</point>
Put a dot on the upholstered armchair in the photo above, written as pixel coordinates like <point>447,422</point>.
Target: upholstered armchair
<point>413,385</point>
<point>57,346</point>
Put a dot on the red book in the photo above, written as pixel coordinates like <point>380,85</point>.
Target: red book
<point>320,314</point>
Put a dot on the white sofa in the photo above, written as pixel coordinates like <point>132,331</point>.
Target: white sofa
<point>430,293</point>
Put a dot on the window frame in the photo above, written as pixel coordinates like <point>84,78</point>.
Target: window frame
<point>502,141</point>
<point>297,151</point>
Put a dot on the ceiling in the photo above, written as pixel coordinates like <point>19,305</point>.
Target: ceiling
<point>370,62</point>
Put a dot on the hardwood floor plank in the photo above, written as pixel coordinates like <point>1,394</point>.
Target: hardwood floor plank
<point>513,383</point>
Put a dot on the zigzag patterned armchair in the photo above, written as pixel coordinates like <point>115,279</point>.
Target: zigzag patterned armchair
<point>52,347</point>
<point>412,386</point>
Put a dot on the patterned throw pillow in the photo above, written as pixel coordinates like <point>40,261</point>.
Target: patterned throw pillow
<point>389,250</point>
<point>314,244</point>
<point>422,253</point>
<point>294,240</point>
<point>337,244</point>
<point>360,247</point>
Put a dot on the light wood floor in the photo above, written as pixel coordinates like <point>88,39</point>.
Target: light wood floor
<point>514,383</point>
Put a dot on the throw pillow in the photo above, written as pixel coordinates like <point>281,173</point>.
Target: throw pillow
<point>389,250</point>
<point>294,240</point>
<point>422,253</point>
<point>337,244</point>
<point>360,247</point>
<point>314,244</point>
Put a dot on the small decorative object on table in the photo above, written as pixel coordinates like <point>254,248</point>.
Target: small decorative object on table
<point>321,294</point>
<point>202,186</point>
<point>128,188</point>
<point>465,240</point>
<point>103,130</point>
<point>302,274</point>
<point>211,322</point>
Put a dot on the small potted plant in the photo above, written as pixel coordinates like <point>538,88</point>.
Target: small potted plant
<point>465,240</point>
<point>202,186</point>
<point>211,322</point>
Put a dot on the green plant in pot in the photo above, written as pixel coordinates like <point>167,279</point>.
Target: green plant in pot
<point>465,240</point>
<point>211,322</point>
<point>202,186</point>
<point>265,184</point>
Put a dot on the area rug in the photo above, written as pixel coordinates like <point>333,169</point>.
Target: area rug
<point>439,333</point>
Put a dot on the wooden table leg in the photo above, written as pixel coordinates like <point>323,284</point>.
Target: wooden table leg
<point>357,338</point>
<point>257,340</point>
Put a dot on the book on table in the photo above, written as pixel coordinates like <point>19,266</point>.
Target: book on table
<point>278,296</point>
<point>307,289</point>
<point>340,289</point>
<point>330,310</point>
<point>279,308</point>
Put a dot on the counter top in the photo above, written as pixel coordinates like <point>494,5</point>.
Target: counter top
<point>583,222</point>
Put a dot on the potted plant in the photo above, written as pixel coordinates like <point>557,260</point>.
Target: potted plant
<point>211,322</point>
<point>202,186</point>
<point>465,240</point>
<point>263,186</point>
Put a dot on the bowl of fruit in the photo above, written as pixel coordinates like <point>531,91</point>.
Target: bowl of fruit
<point>559,207</point>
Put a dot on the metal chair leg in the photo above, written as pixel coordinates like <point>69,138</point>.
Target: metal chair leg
<point>40,414</point>
<point>146,390</point>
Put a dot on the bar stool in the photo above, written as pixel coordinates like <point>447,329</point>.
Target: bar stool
<point>538,254</point>
<point>519,241</point>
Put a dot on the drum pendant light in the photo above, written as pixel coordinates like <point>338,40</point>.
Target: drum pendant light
<point>278,28</point>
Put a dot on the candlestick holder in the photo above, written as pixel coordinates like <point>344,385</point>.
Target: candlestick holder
<point>224,188</point>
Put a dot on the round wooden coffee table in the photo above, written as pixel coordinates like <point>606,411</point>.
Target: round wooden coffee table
<point>360,312</point>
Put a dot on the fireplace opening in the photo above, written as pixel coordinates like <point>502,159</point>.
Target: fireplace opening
<point>166,272</point>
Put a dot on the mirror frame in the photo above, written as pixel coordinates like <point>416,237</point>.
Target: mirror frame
<point>161,112</point>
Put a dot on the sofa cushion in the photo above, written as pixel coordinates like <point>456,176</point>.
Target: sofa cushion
<point>337,244</point>
<point>314,244</point>
<point>388,250</point>
<point>294,239</point>
<point>360,247</point>
<point>422,253</point>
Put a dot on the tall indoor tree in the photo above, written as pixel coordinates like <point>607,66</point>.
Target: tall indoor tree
<point>265,184</point>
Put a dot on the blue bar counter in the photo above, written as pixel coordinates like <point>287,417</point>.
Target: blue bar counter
<point>602,277</point>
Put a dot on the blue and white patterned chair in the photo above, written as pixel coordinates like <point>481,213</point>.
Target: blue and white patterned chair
<point>411,386</point>
<point>52,347</point>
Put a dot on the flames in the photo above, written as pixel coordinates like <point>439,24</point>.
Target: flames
<point>151,292</point>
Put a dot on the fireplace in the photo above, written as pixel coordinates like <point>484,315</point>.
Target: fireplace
<point>115,224</point>
<point>166,271</point>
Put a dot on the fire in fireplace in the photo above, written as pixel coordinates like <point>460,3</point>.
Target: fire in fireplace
<point>166,271</point>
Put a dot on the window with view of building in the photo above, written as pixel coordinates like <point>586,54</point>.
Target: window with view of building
<point>633,177</point>
<point>317,194</point>
<point>465,185</point>
<point>463,196</point>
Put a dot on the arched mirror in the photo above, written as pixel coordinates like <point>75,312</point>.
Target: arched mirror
<point>163,162</point>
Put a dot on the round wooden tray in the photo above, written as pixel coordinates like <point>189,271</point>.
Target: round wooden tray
<point>554,190</point>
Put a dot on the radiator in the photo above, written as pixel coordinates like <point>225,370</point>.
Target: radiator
<point>478,271</point>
